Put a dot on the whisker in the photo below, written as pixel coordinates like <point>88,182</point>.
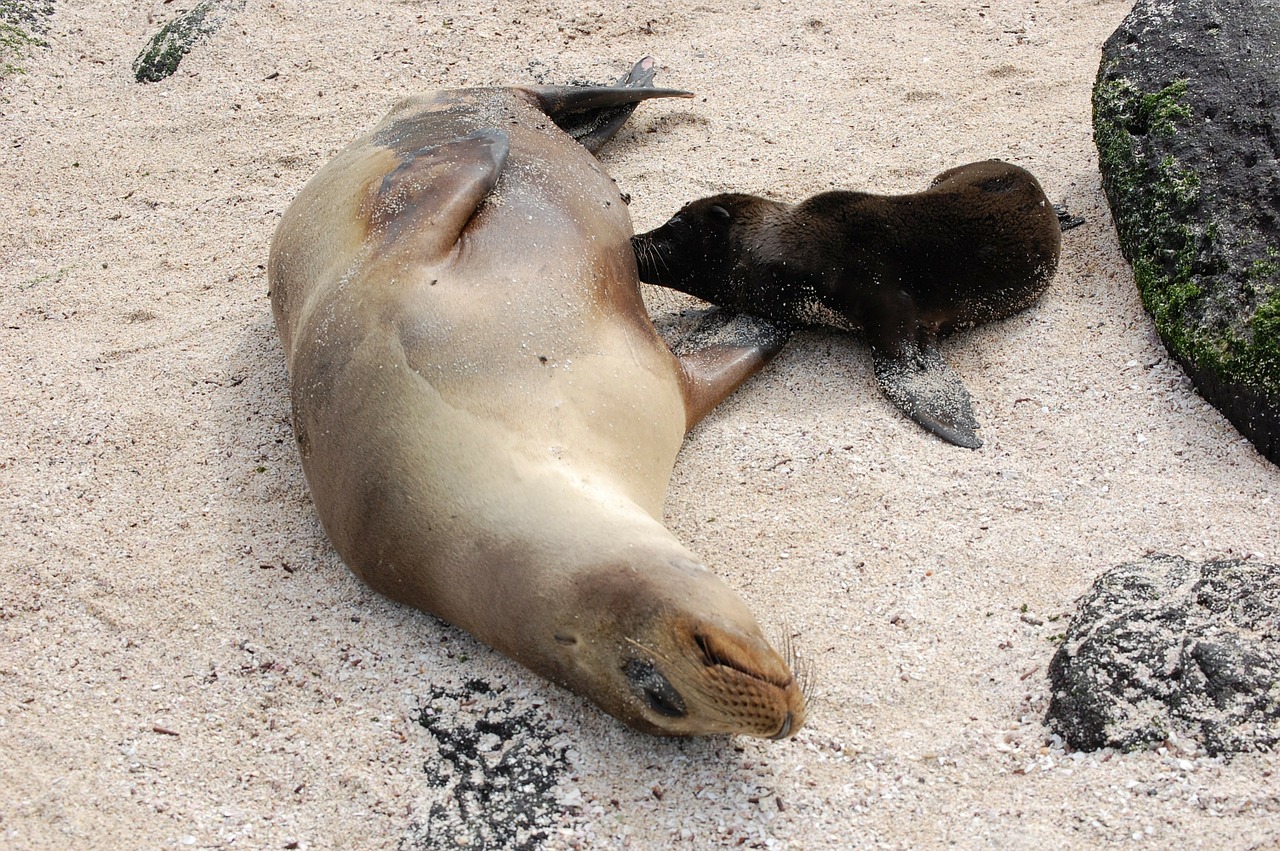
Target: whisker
<point>649,650</point>
<point>651,256</point>
<point>662,258</point>
<point>801,668</point>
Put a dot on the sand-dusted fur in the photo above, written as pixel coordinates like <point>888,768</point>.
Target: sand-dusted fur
<point>487,418</point>
<point>979,244</point>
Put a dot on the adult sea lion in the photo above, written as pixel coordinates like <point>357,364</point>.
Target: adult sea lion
<point>979,244</point>
<point>487,418</point>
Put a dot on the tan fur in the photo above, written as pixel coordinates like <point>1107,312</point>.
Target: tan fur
<point>488,421</point>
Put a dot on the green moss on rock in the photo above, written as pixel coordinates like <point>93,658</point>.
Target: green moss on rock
<point>14,44</point>
<point>160,58</point>
<point>1169,236</point>
<point>21,25</point>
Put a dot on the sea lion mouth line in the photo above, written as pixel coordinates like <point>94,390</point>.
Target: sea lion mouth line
<point>712,659</point>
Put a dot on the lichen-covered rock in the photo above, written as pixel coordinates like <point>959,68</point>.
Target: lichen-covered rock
<point>22,23</point>
<point>160,58</point>
<point>495,779</point>
<point>1187,123</point>
<point>1165,647</point>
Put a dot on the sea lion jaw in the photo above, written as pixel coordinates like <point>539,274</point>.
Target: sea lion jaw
<point>692,660</point>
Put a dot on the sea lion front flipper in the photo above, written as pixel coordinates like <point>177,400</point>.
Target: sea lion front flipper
<point>436,189</point>
<point>718,350</point>
<point>593,114</point>
<point>925,388</point>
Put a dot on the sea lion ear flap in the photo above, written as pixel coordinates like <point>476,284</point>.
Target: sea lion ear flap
<point>436,189</point>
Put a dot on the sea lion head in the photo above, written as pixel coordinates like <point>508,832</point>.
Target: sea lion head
<point>710,247</point>
<point>669,649</point>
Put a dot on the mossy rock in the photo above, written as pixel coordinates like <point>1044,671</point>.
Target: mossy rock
<point>22,25</point>
<point>160,58</point>
<point>1186,113</point>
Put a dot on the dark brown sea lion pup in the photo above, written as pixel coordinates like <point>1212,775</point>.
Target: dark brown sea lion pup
<point>979,244</point>
<point>487,418</point>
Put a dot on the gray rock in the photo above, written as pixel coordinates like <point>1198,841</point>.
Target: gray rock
<point>1164,646</point>
<point>499,763</point>
<point>1187,122</point>
<point>160,58</point>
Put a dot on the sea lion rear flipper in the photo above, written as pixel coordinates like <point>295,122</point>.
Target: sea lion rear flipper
<point>921,385</point>
<point>436,189</point>
<point>718,350</point>
<point>1066,220</point>
<point>593,114</point>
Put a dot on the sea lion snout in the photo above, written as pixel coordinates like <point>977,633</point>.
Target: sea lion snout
<point>710,248</point>
<point>717,678</point>
<point>747,679</point>
<point>692,661</point>
<point>700,232</point>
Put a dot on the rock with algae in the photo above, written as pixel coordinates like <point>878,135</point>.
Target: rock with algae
<point>1186,113</point>
<point>160,58</point>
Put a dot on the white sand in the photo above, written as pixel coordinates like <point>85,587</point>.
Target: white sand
<point>184,660</point>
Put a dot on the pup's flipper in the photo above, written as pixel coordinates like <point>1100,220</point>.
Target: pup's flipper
<point>925,388</point>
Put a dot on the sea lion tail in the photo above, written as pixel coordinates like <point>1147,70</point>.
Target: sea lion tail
<point>594,114</point>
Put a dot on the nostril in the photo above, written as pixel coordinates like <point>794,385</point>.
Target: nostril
<point>785,730</point>
<point>656,689</point>
<point>660,704</point>
<point>757,661</point>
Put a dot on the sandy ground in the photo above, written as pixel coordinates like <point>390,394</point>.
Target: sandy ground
<point>184,661</point>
